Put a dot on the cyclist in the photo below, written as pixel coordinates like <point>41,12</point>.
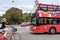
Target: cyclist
<point>4,27</point>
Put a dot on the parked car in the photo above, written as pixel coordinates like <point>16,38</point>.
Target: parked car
<point>19,22</point>
<point>24,24</point>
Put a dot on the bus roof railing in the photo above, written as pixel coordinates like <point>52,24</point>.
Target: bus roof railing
<point>48,4</point>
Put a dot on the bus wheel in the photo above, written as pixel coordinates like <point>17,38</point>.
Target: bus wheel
<point>52,31</point>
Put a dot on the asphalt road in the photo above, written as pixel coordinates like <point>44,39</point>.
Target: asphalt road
<point>27,35</point>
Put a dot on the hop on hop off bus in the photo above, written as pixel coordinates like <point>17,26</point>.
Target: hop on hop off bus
<point>46,19</point>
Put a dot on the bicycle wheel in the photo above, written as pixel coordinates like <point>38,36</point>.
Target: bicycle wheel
<point>16,36</point>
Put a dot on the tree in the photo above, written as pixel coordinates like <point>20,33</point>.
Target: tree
<point>0,18</point>
<point>13,15</point>
<point>27,17</point>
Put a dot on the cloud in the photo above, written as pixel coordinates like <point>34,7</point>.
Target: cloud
<point>50,2</point>
<point>27,8</point>
<point>1,13</point>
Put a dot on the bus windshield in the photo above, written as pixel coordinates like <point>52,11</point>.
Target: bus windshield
<point>33,21</point>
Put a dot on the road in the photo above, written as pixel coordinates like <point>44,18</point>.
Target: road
<point>27,35</point>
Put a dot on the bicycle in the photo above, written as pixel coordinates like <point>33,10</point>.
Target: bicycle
<point>12,36</point>
<point>2,37</point>
<point>15,36</point>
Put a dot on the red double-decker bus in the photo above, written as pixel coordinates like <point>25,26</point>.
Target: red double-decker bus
<point>46,19</point>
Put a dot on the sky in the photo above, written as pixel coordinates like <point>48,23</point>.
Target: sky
<point>25,5</point>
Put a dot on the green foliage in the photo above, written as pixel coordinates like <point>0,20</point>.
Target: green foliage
<point>13,15</point>
<point>0,18</point>
<point>26,16</point>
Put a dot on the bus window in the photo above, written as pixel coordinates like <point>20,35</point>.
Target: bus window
<point>45,20</point>
<point>55,21</point>
<point>42,8</point>
<point>41,21</point>
<point>33,21</point>
<point>50,21</point>
<point>58,21</point>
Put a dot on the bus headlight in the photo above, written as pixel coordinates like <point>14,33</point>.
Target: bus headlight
<point>45,27</point>
<point>34,27</point>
